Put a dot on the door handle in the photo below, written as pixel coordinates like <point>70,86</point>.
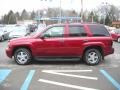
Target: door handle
<point>85,40</point>
<point>62,41</point>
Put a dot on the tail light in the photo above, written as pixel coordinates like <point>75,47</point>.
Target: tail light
<point>111,43</point>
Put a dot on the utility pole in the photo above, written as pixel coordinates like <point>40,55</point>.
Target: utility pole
<point>60,12</point>
<point>81,10</point>
<point>105,5</point>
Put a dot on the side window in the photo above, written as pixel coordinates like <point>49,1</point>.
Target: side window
<point>57,31</point>
<point>77,31</point>
<point>99,30</point>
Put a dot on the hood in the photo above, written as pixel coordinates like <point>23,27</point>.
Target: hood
<point>21,40</point>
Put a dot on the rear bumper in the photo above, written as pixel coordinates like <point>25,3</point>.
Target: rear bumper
<point>109,51</point>
<point>9,52</point>
<point>112,51</point>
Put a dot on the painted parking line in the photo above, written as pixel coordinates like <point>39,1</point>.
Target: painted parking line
<point>3,74</point>
<point>65,85</point>
<point>28,80</point>
<point>63,73</point>
<point>60,72</point>
<point>112,80</point>
<point>68,70</point>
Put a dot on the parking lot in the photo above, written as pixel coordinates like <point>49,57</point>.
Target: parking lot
<point>60,75</point>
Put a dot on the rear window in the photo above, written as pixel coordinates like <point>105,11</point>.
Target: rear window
<point>99,30</point>
<point>77,31</point>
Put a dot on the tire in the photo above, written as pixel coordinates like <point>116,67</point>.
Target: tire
<point>118,40</point>
<point>22,56</point>
<point>92,57</point>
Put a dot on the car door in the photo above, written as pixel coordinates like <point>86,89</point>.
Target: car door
<point>51,43</point>
<point>77,37</point>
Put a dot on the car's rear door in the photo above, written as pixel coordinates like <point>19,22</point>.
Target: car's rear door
<point>74,42</point>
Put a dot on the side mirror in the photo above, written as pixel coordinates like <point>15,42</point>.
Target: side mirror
<point>45,36</point>
<point>42,37</point>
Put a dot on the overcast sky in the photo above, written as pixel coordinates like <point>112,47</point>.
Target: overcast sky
<point>29,5</point>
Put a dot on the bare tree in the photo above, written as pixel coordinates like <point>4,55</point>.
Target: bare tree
<point>110,12</point>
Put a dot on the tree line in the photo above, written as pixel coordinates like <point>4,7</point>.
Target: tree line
<point>103,14</point>
<point>12,18</point>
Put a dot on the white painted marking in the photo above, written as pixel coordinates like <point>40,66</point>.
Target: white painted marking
<point>68,70</point>
<point>65,85</point>
<point>69,75</point>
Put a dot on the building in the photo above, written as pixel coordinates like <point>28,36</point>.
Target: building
<point>116,24</point>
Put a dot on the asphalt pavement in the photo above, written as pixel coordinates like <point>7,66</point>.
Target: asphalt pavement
<point>54,75</point>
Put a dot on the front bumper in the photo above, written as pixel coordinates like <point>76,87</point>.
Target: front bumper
<point>9,52</point>
<point>13,38</point>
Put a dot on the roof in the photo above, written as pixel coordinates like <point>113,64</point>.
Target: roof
<point>86,23</point>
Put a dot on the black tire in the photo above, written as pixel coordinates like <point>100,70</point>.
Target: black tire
<point>92,60</point>
<point>24,58</point>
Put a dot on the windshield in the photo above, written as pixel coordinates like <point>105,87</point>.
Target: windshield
<point>38,31</point>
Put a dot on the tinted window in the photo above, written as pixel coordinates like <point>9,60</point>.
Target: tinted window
<point>77,31</point>
<point>99,30</point>
<point>55,31</point>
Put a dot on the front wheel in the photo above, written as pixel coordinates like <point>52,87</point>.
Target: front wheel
<point>92,56</point>
<point>22,56</point>
<point>118,40</point>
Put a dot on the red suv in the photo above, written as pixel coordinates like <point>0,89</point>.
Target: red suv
<point>90,42</point>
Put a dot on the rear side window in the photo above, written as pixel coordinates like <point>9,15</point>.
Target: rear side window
<point>99,30</point>
<point>77,31</point>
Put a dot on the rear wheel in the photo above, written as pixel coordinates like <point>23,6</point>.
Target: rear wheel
<point>92,56</point>
<point>22,56</point>
<point>118,40</point>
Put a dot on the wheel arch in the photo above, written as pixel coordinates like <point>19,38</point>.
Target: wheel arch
<point>94,47</point>
<point>17,47</point>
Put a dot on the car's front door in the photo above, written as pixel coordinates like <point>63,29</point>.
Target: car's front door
<point>52,42</point>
